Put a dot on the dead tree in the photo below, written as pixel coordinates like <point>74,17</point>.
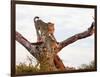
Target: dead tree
<point>43,51</point>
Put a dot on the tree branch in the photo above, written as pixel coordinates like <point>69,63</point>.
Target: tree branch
<point>37,43</point>
<point>23,41</point>
<point>76,37</point>
<point>58,63</point>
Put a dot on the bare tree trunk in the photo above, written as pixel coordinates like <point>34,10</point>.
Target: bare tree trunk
<point>47,62</point>
<point>44,57</point>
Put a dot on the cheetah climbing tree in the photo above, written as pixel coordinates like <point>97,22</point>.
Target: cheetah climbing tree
<point>45,49</point>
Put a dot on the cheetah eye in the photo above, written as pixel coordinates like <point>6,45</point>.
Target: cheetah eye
<point>54,48</point>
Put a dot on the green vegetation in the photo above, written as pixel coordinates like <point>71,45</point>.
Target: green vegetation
<point>24,68</point>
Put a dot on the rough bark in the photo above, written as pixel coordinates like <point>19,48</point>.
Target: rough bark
<point>78,36</point>
<point>47,62</point>
<point>58,63</point>
<point>23,41</point>
<point>45,58</point>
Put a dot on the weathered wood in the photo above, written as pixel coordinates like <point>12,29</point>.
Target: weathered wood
<point>47,62</point>
<point>78,36</point>
<point>45,58</point>
<point>59,64</point>
<point>23,41</point>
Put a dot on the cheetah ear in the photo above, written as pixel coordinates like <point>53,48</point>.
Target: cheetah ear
<point>50,23</point>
